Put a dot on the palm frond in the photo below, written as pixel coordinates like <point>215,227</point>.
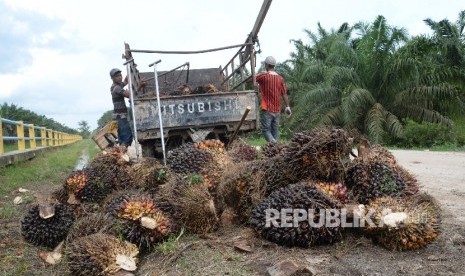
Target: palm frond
<point>421,114</point>
<point>374,123</point>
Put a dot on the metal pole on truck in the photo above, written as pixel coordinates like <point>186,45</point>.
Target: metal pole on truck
<point>154,64</point>
<point>131,97</point>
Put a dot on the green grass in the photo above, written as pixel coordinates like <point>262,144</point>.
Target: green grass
<point>170,245</point>
<point>256,138</point>
<point>12,146</point>
<point>7,211</point>
<point>51,166</point>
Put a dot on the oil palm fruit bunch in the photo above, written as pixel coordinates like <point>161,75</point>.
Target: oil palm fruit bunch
<point>60,195</point>
<point>139,220</point>
<point>242,188</point>
<point>310,230</point>
<point>183,90</point>
<point>403,223</point>
<point>378,152</point>
<point>241,152</point>
<point>271,149</point>
<point>187,159</point>
<point>149,173</point>
<point>89,185</point>
<point>244,185</point>
<point>98,222</point>
<point>367,180</point>
<point>49,231</point>
<point>210,145</point>
<point>191,204</point>
<point>322,153</point>
<point>83,209</point>
<point>221,161</point>
<point>101,254</point>
<point>118,154</point>
<point>336,190</point>
<point>114,163</point>
<point>210,88</point>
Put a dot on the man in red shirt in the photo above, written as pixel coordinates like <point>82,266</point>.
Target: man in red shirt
<point>272,88</point>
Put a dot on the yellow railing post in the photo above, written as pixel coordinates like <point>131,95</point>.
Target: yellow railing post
<point>20,134</point>
<point>2,150</point>
<point>32,136</point>
<point>43,135</point>
<point>55,138</point>
<point>50,137</point>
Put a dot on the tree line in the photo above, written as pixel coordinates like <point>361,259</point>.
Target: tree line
<point>16,113</point>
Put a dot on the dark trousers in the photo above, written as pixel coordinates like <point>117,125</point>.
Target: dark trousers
<point>124,131</point>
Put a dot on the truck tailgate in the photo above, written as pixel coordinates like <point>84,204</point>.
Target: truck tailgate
<point>195,110</point>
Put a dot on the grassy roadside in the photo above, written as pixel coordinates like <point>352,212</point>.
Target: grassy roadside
<point>39,175</point>
<point>51,166</point>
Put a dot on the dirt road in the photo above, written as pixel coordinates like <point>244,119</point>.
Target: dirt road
<point>441,174</point>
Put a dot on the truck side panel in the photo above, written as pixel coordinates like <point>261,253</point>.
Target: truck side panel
<point>193,111</point>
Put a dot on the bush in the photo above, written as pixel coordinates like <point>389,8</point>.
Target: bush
<point>426,135</point>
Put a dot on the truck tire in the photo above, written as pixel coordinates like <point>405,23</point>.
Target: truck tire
<point>148,148</point>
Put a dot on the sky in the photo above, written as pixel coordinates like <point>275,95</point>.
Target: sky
<point>56,54</point>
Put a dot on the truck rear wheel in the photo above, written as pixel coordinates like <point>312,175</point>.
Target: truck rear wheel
<point>148,148</point>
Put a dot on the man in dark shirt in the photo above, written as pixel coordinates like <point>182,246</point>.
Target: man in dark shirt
<point>120,111</point>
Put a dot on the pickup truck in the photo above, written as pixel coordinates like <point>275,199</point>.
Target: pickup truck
<point>199,103</point>
<point>195,104</point>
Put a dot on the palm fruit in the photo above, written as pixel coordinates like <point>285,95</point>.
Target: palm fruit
<point>101,254</point>
<point>367,180</point>
<point>182,90</point>
<point>187,159</point>
<point>60,195</point>
<point>140,221</point>
<point>322,153</point>
<point>241,188</point>
<point>190,203</point>
<point>210,145</point>
<point>114,164</point>
<point>88,185</point>
<point>210,88</point>
<point>84,209</point>
<point>149,173</point>
<point>335,190</point>
<point>50,231</point>
<point>403,223</point>
<point>297,196</point>
<point>241,152</point>
<point>220,161</point>
<point>271,149</point>
<point>377,152</point>
<point>91,224</point>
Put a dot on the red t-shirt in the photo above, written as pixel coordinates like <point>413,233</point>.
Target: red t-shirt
<point>271,88</point>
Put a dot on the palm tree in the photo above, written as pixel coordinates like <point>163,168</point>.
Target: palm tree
<point>372,82</point>
<point>308,69</point>
<point>450,39</point>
